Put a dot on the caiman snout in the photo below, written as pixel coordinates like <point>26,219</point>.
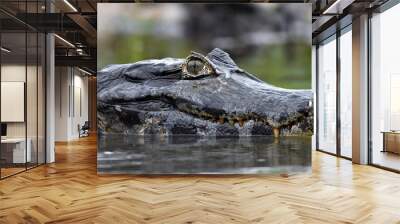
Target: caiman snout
<point>201,95</point>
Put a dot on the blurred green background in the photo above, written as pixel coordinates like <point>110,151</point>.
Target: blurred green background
<point>271,41</point>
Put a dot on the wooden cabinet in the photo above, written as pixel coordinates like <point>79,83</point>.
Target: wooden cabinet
<point>391,142</point>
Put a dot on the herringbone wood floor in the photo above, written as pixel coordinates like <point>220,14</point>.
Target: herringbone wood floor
<point>70,191</point>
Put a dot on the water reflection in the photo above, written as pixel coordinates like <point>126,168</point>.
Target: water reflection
<point>193,154</point>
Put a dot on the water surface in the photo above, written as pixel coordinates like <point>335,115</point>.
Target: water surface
<point>121,154</point>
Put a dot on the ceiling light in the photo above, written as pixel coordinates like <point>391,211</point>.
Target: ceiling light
<point>326,11</point>
<point>338,6</point>
<point>86,72</point>
<point>5,50</point>
<point>70,5</point>
<point>79,51</point>
<point>65,41</point>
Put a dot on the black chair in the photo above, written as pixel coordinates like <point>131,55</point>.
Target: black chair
<point>84,130</point>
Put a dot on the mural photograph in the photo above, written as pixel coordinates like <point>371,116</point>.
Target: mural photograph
<point>204,88</point>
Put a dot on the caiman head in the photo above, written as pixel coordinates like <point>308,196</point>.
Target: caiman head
<point>201,95</point>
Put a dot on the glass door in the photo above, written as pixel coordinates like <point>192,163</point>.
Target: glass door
<point>327,95</point>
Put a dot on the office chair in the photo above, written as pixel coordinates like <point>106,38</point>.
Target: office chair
<point>84,130</point>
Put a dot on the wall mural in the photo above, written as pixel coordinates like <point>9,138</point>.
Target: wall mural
<point>204,88</point>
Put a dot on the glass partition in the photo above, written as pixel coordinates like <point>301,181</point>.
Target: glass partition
<point>385,89</point>
<point>31,97</point>
<point>32,85</point>
<point>327,96</point>
<point>13,94</point>
<point>346,93</point>
<point>22,107</point>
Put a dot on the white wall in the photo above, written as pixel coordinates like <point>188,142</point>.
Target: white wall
<point>62,81</point>
<point>17,73</point>
<point>14,73</point>
<point>80,104</point>
<point>71,102</point>
<point>12,101</point>
<point>33,125</point>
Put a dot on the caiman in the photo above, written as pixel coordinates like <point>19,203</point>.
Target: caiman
<point>200,95</point>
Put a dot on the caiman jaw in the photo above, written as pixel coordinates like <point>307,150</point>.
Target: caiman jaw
<point>229,118</point>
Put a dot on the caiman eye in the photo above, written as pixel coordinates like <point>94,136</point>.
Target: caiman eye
<point>196,65</point>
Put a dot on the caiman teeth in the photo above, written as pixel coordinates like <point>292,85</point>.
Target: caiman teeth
<point>241,122</point>
<point>223,118</point>
<point>276,132</point>
<point>231,121</point>
<point>233,118</point>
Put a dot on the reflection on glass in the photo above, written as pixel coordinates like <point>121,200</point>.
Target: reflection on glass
<point>386,89</point>
<point>31,97</point>
<point>14,153</point>
<point>193,154</point>
<point>345,94</point>
<point>22,91</point>
<point>327,96</point>
<point>32,93</point>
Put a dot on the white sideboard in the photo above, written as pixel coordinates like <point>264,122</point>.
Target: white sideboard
<point>19,153</point>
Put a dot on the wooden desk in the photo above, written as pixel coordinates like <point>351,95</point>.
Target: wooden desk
<point>391,141</point>
<point>16,147</point>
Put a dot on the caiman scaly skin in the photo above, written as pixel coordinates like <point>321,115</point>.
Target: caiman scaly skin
<point>153,97</point>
